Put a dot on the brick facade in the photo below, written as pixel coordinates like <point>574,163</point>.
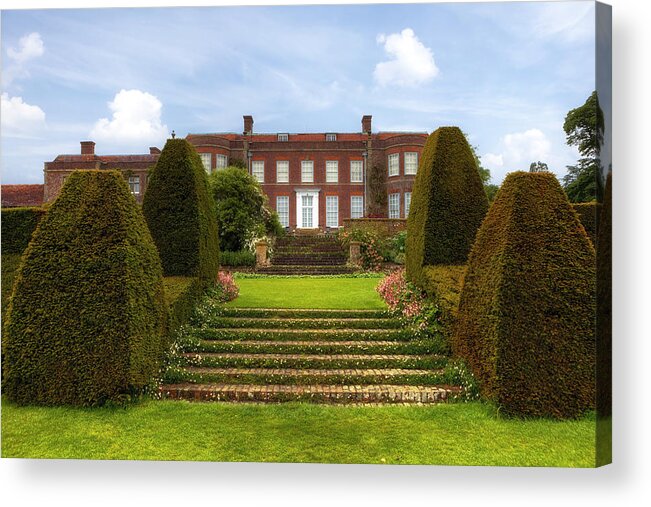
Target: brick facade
<point>255,150</point>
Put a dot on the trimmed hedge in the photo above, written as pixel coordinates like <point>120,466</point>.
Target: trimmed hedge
<point>237,259</point>
<point>604,305</point>
<point>18,225</point>
<point>588,213</point>
<point>182,294</point>
<point>526,315</point>
<point>180,213</point>
<point>87,322</point>
<point>448,204</point>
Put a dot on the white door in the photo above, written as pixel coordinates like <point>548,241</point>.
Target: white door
<point>307,210</point>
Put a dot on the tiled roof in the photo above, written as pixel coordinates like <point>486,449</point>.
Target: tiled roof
<point>13,196</point>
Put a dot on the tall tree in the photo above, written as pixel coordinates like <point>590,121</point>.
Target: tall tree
<point>584,127</point>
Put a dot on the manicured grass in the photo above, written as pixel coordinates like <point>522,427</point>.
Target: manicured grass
<point>453,434</point>
<point>308,292</point>
<point>10,263</point>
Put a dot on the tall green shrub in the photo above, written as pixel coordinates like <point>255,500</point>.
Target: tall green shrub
<point>180,212</point>
<point>448,204</point>
<point>526,315</point>
<point>18,225</point>
<point>588,214</point>
<point>87,321</point>
<point>605,305</point>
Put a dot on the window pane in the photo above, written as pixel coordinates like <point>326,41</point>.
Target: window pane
<point>394,206</point>
<point>222,161</point>
<point>411,163</point>
<point>331,137</point>
<point>332,211</point>
<point>307,171</point>
<point>356,206</point>
<point>282,208</point>
<point>356,171</point>
<point>134,184</point>
<point>206,159</point>
<point>257,168</point>
<point>283,137</point>
<point>394,164</point>
<point>407,203</point>
<point>282,171</point>
<point>332,171</point>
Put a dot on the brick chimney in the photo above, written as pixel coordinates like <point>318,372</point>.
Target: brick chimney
<point>248,124</point>
<point>154,151</point>
<point>366,123</point>
<point>87,148</point>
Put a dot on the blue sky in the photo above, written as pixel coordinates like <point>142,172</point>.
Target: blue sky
<point>505,73</point>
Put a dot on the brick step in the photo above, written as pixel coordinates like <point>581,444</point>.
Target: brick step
<point>306,270</point>
<point>326,361</point>
<point>306,323</point>
<point>347,335</point>
<point>314,393</point>
<point>290,376</point>
<point>416,347</point>
<point>308,261</point>
<point>304,313</point>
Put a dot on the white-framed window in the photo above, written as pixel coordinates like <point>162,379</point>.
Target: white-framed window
<point>283,137</point>
<point>206,160</point>
<point>307,171</point>
<point>394,164</point>
<point>282,171</point>
<point>332,171</point>
<point>331,137</point>
<point>221,161</point>
<point>356,206</point>
<point>282,208</point>
<point>407,203</point>
<point>356,171</point>
<point>257,170</point>
<point>134,184</point>
<point>307,211</point>
<point>411,162</point>
<point>332,211</point>
<point>394,205</point>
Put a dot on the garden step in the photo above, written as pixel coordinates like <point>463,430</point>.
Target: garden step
<point>348,335</point>
<point>307,313</point>
<point>381,393</point>
<point>292,376</point>
<point>294,313</point>
<point>272,360</point>
<point>417,347</point>
<point>306,270</point>
<point>306,323</point>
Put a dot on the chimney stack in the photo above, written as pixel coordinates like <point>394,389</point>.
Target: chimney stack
<point>87,148</point>
<point>248,124</point>
<point>366,124</point>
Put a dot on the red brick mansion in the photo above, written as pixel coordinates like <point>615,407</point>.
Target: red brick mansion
<point>312,180</point>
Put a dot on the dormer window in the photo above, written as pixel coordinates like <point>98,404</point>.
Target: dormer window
<point>283,137</point>
<point>331,137</point>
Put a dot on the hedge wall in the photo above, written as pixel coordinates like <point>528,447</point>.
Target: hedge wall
<point>18,225</point>
<point>588,213</point>
<point>180,212</point>
<point>526,315</point>
<point>604,305</point>
<point>87,321</point>
<point>448,204</point>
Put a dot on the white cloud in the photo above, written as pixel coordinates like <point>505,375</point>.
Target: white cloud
<point>410,63</point>
<point>29,47</point>
<point>19,118</point>
<point>136,120</point>
<point>518,150</point>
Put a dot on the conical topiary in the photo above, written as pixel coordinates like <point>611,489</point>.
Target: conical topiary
<point>448,204</point>
<point>605,305</point>
<point>180,212</point>
<point>87,320</point>
<point>526,317</point>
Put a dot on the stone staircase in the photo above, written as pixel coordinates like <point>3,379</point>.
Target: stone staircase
<point>327,356</point>
<point>308,254</point>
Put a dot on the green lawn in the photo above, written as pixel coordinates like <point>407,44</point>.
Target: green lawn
<point>308,292</point>
<point>453,434</point>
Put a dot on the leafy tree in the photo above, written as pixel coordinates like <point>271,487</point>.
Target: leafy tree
<point>584,127</point>
<point>242,209</point>
<point>538,167</point>
<point>377,189</point>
